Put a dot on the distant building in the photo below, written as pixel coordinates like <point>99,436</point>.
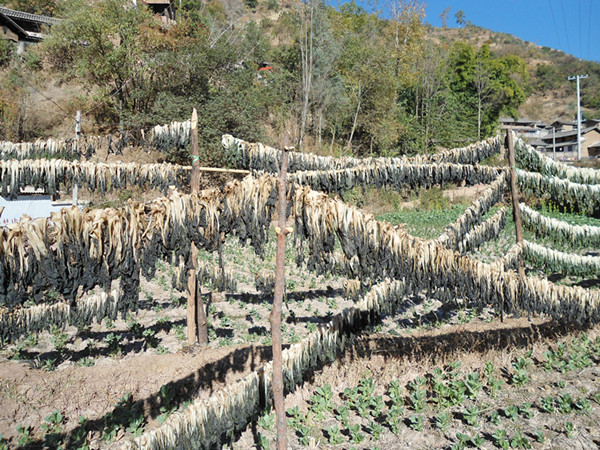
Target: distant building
<point>530,130</point>
<point>23,28</point>
<point>164,8</point>
<point>566,142</point>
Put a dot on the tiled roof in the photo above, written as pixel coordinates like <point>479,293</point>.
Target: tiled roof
<point>20,15</point>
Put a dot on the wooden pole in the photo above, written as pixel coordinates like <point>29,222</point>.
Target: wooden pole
<point>275,316</point>
<point>218,169</point>
<point>77,135</point>
<point>197,330</point>
<point>515,196</point>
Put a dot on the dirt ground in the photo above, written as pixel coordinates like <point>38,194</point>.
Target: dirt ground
<point>90,373</point>
<point>86,373</point>
<point>384,358</point>
<point>29,395</point>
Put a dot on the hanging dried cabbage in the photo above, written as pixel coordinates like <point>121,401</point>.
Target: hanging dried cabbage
<point>583,197</point>
<point>530,159</point>
<point>486,231</point>
<point>585,236</point>
<point>173,135</point>
<point>50,175</point>
<point>555,261</point>
<point>261,157</point>
<point>456,232</point>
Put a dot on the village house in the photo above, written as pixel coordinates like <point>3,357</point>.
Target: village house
<point>23,28</point>
<point>566,142</point>
<point>163,8</point>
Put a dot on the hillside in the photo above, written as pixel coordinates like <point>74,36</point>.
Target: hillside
<point>355,89</point>
<point>550,96</point>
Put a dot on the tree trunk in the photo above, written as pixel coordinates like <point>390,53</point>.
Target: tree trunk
<point>332,141</point>
<point>349,145</point>
<point>479,116</point>
<point>306,50</point>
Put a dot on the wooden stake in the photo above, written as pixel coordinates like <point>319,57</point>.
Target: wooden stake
<point>513,189</point>
<point>197,330</point>
<point>275,316</point>
<point>515,198</point>
<point>195,154</point>
<point>515,201</point>
<point>218,169</point>
<point>191,301</point>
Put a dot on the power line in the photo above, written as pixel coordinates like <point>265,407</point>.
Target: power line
<point>589,31</point>
<point>580,31</point>
<point>41,93</point>
<point>554,21</point>
<point>562,7</point>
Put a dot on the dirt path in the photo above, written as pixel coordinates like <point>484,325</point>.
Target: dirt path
<point>28,395</point>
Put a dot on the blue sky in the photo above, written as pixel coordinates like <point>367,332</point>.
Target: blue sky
<point>559,24</point>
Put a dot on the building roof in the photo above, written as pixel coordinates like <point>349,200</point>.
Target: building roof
<point>536,143</point>
<point>35,18</point>
<point>561,144</point>
<point>573,133</point>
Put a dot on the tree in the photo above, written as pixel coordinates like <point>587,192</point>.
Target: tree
<point>460,18</point>
<point>319,53</point>
<point>104,45</point>
<point>487,85</point>
<point>444,16</point>
<point>44,7</point>
<point>365,68</point>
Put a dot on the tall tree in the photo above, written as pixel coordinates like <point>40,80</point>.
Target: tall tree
<point>444,16</point>
<point>319,53</point>
<point>460,18</point>
<point>364,66</point>
<point>486,85</point>
<point>115,36</point>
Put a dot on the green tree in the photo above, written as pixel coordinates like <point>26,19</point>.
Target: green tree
<point>486,85</point>
<point>104,45</point>
<point>460,18</point>
<point>320,84</point>
<point>44,7</point>
<point>444,16</point>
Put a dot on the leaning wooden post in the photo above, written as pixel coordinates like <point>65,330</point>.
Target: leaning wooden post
<point>515,196</point>
<point>275,316</point>
<point>77,136</point>
<point>196,316</point>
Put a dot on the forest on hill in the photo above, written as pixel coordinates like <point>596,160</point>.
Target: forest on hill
<point>341,80</point>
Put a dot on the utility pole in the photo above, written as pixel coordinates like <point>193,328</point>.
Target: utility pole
<point>554,143</point>
<point>578,77</point>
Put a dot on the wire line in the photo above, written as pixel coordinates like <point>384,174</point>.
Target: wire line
<point>580,32</point>
<point>554,21</point>
<point>589,31</point>
<point>562,7</point>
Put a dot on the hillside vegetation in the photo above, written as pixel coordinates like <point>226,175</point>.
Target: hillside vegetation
<point>550,96</point>
<point>340,80</point>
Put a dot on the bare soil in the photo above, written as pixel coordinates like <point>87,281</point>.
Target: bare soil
<point>383,358</point>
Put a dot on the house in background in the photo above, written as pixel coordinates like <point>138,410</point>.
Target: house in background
<point>163,8</point>
<point>23,28</point>
<point>566,142</point>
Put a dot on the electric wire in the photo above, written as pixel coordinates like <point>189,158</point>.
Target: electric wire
<point>554,21</point>
<point>43,95</point>
<point>589,31</point>
<point>562,7</point>
<point>580,30</point>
